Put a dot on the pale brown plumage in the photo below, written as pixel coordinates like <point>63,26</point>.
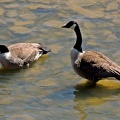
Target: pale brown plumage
<point>21,54</point>
<point>12,61</point>
<point>25,51</point>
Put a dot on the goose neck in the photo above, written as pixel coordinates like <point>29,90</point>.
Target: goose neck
<point>78,44</point>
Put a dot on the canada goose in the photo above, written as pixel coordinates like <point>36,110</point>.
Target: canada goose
<point>21,54</point>
<point>91,65</point>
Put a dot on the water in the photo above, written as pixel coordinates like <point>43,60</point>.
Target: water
<point>49,89</point>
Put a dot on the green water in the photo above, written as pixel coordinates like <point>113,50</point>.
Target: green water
<point>49,89</point>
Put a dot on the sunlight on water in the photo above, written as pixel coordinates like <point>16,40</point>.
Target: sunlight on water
<point>49,89</point>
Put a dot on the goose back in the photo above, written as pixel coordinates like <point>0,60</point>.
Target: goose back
<point>22,50</point>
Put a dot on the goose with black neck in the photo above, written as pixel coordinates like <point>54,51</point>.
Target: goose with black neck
<point>91,65</point>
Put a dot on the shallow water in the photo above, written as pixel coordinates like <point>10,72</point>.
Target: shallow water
<point>49,89</point>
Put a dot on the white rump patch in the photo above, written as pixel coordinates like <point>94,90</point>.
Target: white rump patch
<point>38,55</point>
<point>73,26</point>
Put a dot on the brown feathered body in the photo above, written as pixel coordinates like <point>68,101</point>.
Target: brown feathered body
<point>22,54</point>
<point>93,65</point>
<point>9,60</point>
<point>25,50</point>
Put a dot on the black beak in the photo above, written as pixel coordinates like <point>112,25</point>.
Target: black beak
<point>63,26</point>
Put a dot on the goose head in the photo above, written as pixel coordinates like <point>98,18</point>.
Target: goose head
<point>71,24</point>
<point>3,49</point>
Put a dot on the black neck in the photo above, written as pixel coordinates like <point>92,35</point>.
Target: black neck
<point>78,44</point>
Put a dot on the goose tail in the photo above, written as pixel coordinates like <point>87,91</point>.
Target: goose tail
<point>118,77</point>
<point>44,49</point>
<point>117,72</point>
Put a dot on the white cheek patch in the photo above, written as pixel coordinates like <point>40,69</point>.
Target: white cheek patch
<point>7,55</point>
<point>73,26</point>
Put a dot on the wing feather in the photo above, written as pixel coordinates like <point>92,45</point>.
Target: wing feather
<point>22,50</point>
<point>97,64</point>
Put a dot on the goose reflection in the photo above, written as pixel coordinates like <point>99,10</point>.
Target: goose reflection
<point>88,98</point>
